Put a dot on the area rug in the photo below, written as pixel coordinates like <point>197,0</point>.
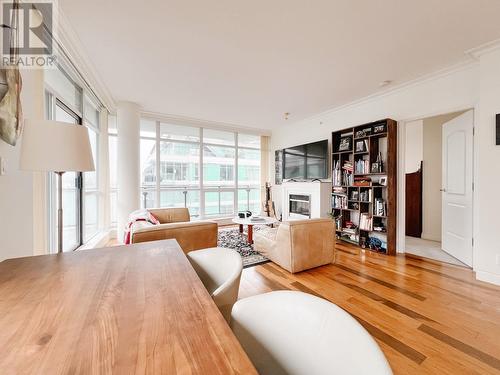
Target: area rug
<point>233,239</point>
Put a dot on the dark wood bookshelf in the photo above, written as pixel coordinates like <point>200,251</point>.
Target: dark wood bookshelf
<point>377,146</point>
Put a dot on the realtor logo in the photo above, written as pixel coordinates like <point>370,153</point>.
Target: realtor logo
<point>27,29</point>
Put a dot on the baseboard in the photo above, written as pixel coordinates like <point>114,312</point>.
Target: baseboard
<point>424,236</point>
<point>488,277</point>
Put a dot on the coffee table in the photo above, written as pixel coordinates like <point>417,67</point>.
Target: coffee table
<point>248,222</point>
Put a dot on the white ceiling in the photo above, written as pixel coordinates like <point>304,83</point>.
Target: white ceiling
<point>248,62</point>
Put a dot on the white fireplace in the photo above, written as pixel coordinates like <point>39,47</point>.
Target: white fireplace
<point>303,200</point>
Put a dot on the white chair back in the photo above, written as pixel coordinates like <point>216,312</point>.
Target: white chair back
<point>220,271</point>
<point>295,333</point>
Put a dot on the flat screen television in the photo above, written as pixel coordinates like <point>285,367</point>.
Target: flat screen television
<point>306,162</point>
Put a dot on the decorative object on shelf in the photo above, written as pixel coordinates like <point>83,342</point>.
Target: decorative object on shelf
<point>362,181</point>
<point>379,128</point>
<point>59,147</point>
<point>362,146</point>
<point>383,181</point>
<point>363,133</point>
<point>345,144</point>
<point>11,114</point>
<point>380,163</point>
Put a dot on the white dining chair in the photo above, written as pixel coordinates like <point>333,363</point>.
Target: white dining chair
<point>220,271</point>
<point>295,333</point>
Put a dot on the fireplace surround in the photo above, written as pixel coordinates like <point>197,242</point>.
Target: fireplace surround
<point>304,200</point>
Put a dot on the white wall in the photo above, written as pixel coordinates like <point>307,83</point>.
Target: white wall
<point>455,90</point>
<point>18,229</point>
<point>414,152</point>
<point>487,199</point>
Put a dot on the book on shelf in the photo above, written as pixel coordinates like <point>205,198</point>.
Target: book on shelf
<point>379,208</point>
<point>339,202</point>
<point>362,166</point>
<point>349,230</point>
<point>365,222</point>
<point>339,190</point>
<point>365,195</point>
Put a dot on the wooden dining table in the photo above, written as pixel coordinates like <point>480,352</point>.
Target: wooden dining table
<point>137,309</point>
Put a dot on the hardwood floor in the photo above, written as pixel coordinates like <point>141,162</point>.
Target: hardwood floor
<point>428,317</point>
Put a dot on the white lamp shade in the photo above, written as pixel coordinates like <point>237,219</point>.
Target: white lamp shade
<point>52,146</point>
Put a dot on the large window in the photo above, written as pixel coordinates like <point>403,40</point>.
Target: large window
<point>67,102</point>
<point>214,173</point>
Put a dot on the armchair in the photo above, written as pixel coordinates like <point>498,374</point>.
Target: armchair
<point>298,245</point>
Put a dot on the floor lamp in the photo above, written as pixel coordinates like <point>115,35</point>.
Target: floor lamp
<point>51,146</point>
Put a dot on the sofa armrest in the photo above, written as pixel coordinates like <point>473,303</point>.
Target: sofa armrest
<point>171,215</point>
<point>193,235</point>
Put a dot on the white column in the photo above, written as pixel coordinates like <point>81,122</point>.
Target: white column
<point>128,121</point>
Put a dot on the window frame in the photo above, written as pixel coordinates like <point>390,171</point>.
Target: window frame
<point>52,99</point>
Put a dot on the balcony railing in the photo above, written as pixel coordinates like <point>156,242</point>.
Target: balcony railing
<point>217,200</point>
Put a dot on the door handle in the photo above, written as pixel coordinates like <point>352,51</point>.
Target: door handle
<point>443,190</point>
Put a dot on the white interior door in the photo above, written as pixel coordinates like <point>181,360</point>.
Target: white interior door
<point>457,187</point>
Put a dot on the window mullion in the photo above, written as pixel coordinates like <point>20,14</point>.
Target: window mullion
<point>236,173</point>
<point>200,172</point>
<point>158,164</point>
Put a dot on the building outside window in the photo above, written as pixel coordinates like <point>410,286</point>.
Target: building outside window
<point>171,156</point>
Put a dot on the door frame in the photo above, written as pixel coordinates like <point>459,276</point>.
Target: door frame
<point>401,199</point>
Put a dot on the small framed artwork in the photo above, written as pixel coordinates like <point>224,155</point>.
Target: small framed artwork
<point>345,144</point>
<point>383,181</point>
<point>360,146</point>
<point>375,167</point>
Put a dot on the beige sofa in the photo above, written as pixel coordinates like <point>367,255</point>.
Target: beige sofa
<point>298,245</point>
<point>175,223</point>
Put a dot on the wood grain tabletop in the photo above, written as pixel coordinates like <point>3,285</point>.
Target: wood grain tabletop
<point>137,309</point>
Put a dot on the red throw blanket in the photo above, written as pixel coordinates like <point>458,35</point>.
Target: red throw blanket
<point>139,215</point>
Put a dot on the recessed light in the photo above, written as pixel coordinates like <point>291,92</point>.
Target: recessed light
<point>385,83</point>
